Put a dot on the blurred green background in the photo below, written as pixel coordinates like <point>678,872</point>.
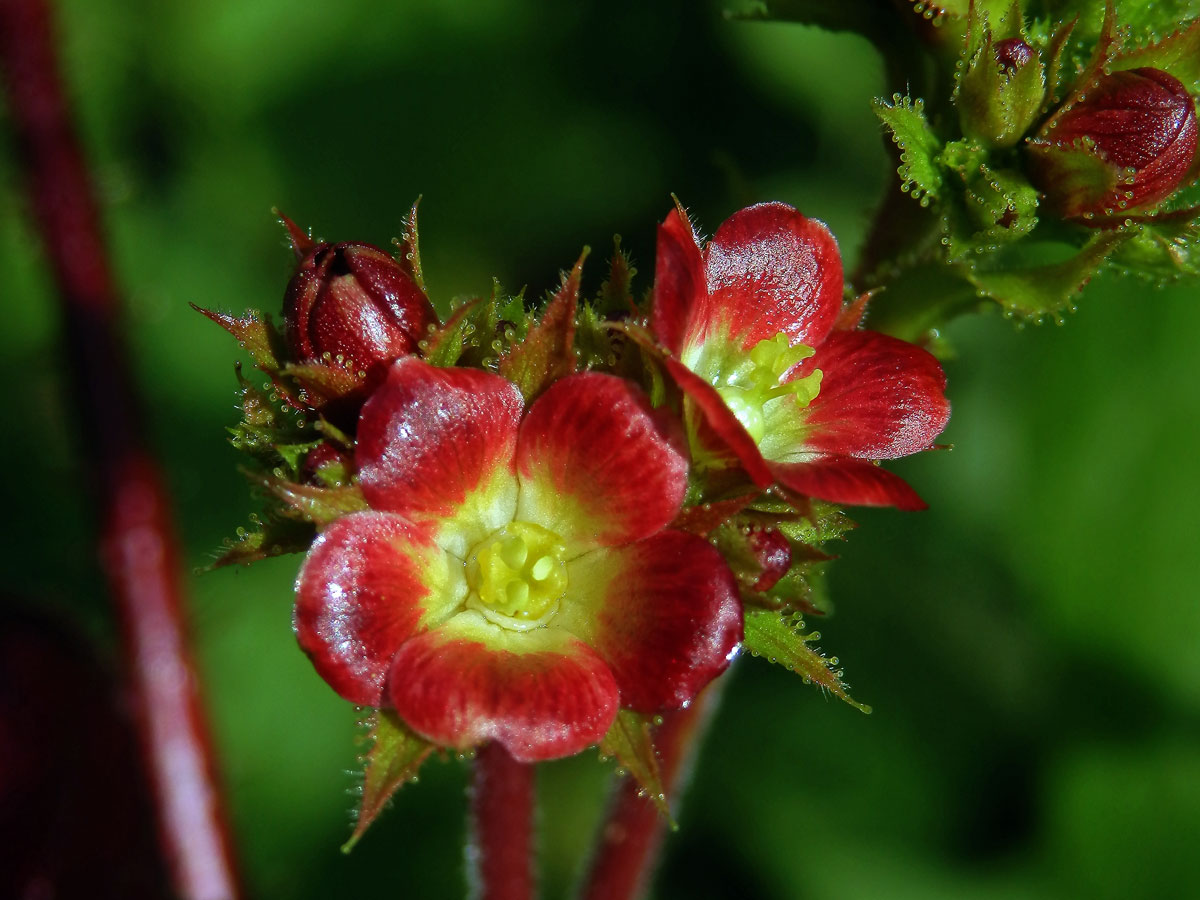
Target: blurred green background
<point>1031,644</point>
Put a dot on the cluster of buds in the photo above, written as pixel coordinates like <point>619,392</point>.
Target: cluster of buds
<point>1076,145</point>
<point>545,528</point>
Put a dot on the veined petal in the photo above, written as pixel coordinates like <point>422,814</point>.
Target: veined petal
<point>722,423</point>
<point>664,613</point>
<point>769,270</point>
<point>881,398</point>
<point>542,694</point>
<point>436,446</point>
<point>597,464</point>
<point>845,480</point>
<point>370,582</point>
<point>679,279</point>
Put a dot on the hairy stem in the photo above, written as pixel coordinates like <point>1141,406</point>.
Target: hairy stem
<point>629,841</point>
<point>500,854</point>
<point>137,543</point>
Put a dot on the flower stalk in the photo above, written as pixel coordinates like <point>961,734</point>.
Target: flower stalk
<point>500,854</point>
<point>631,837</point>
<point>137,542</point>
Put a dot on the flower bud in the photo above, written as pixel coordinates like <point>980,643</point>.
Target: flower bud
<point>773,554</point>
<point>354,301</point>
<point>1012,53</point>
<point>1127,145</point>
<point>1001,92</point>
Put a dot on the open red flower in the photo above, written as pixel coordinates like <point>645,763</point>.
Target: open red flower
<point>513,580</point>
<point>749,321</point>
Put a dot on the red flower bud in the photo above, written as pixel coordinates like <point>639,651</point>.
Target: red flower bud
<point>354,301</point>
<point>773,552</point>
<point>1012,53</point>
<point>1137,127</point>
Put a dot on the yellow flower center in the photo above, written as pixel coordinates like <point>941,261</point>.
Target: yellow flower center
<point>755,382</point>
<point>517,576</point>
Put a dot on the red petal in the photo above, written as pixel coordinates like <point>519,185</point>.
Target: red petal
<point>541,693</point>
<point>597,464</point>
<point>723,423</point>
<point>664,613</point>
<point>769,269</point>
<point>370,582</point>
<point>881,398</point>
<point>847,481</point>
<point>678,279</point>
<point>436,446</point>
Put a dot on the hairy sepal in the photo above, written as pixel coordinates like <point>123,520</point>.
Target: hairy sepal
<point>395,756</point>
<point>547,353</point>
<point>630,741</point>
<point>779,637</point>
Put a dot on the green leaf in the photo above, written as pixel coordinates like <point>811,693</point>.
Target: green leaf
<point>1047,290</point>
<point>630,742</point>
<point>780,639</point>
<point>395,756</point>
<point>547,352</point>
<point>919,146</point>
<point>1178,55</point>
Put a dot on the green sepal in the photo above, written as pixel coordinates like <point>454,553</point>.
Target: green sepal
<point>631,743</point>
<point>998,206</point>
<point>616,298</point>
<point>265,432</point>
<point>1177,55</point>
<point>919,146</point>
<point>593,339</point>
<point>1047,290</point>
<point>1056,48</point>
<point>445,345</point>
<point>395,756</point>
<point>322,383</point>
<point>547,352</point>
<point>255,333</point>
<point>995,106</point>
<point>409,247</point>
<point>779,637</point>
<point>270,535</point>
<point>1160,251</point>
<point>1082,177</point>
<point>319,505</point>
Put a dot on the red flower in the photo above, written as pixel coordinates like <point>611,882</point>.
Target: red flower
<point>513,580</point>
<point>750,324</point>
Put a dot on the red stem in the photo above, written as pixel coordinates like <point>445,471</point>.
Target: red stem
<point>632,835</point>
<point>501,852</point>
<point>137,541</point>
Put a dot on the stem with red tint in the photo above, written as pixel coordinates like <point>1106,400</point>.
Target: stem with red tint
<point>628,844</point>
<point>137,541</point>
<point>501,850</point>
